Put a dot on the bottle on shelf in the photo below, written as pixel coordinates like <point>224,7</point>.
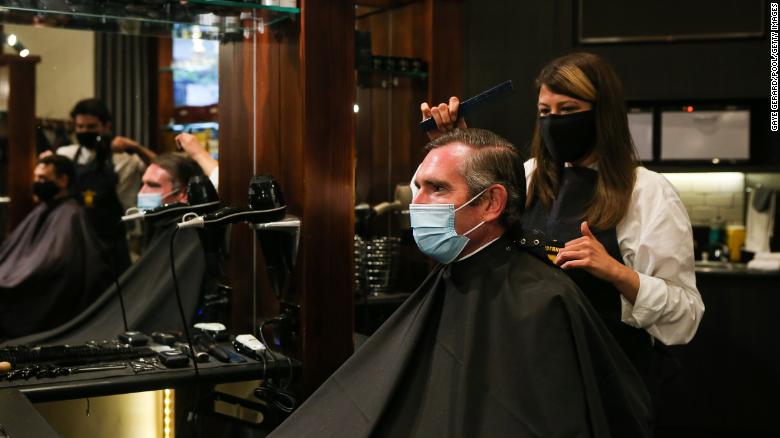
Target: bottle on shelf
<point>718,250</point>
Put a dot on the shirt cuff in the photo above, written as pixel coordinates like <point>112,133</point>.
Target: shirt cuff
<point>214,178</point>
<point>649,304</point>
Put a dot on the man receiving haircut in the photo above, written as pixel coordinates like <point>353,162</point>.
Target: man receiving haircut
<point>52,265</point>
<point>165,181</point>
<point>495,342</point>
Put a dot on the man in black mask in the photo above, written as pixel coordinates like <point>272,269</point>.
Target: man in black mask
<point>95,141</point>
<point>496,342</point>
<point>108,173</point>
<point>52,265</point>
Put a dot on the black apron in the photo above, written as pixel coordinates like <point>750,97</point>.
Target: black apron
<point>560,224</point>
<point>94,187</point>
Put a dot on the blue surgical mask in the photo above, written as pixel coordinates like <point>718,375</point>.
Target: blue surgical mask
<point>433,227</point>
<point>150,201</point>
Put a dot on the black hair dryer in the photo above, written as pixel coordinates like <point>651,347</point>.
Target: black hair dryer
<point>279,238</point>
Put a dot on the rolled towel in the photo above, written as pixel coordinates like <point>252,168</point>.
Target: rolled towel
<point>767,256</point>
<point>764,265</point>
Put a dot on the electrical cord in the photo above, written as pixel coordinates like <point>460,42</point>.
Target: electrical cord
<point>275,320</point>
<point>181,307</point>
<point>281,400</point>
<point>186,327</point>
<point>113,257</point>
<point>277,397</point>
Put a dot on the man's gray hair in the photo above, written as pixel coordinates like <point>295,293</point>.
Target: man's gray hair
<point>494,161</point>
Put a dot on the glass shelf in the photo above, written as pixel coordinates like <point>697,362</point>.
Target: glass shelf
<point>216,19</point>
<point>194,126</point>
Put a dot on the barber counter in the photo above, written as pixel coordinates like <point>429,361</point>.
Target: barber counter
<point>730,381</point>
<point>134,370</point>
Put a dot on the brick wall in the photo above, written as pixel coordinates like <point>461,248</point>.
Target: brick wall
<point>710,195</point>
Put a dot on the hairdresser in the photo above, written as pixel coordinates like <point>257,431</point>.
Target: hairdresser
<point>623,235</point>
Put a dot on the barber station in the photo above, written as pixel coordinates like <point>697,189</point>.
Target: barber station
<point>388,218</point>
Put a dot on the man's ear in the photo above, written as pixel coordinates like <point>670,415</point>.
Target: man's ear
<point>183,196</point>
<point>496,197</point>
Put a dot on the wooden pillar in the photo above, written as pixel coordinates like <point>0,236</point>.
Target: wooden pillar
<point>20,127</point>
<point>328,189</point>
<point>286,109</point>
<point>236,142</point>
<point>444,47</point>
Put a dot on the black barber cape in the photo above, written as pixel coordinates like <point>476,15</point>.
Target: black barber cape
<point>499,344</point>
<point>51,267</point>
<point>148,292</point>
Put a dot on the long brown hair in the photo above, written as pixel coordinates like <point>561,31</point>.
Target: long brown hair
<point>589,77</point>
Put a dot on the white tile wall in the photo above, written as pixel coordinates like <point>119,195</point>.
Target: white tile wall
<point>709,195</point>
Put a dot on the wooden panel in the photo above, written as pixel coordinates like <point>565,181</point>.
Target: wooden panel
<point>388,139</point>
<point>389,142</point>
<point>445,48</point>
<point>327,72</point>
<point>236,167</point>
<point>268,146</point>
<point>21,135</point>
<point>304,91</point>
<point>292,154</point>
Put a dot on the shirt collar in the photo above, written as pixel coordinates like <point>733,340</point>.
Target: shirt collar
<point>477,250</point>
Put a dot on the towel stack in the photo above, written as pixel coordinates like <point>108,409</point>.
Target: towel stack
<point>765,261</point>
<point>760,220</point>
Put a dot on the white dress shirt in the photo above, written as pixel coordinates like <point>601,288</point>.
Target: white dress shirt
<point>214,177</point>
<point>656,241</point>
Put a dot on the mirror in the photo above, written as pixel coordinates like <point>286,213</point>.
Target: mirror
<point>392,81</point>
<point>155,66</point>
<point>154,88</point>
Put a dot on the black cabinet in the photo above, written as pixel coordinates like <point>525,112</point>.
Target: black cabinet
<point>730,381</point>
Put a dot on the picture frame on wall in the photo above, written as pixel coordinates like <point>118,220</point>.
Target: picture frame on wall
<point>636,21</point>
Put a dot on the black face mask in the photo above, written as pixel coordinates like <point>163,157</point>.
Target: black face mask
<point>88,139</point>
<point>45,190</point>
<point>569,137</point>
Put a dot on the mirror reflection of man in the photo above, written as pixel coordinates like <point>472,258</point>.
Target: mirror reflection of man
<point>108,173</point>
<point>91,119</point>
<point>496,341</point>
<point>147,286</point>
<point>53,264</point>
<point>165,181</point>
